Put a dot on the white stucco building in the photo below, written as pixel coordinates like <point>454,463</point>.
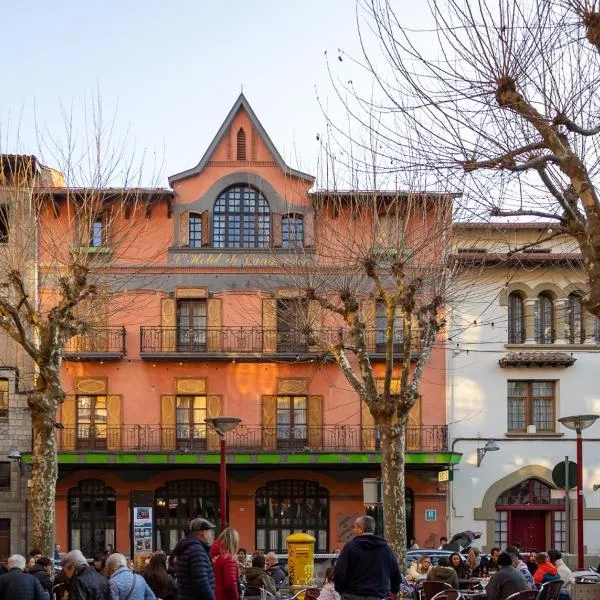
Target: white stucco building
<point>522,353</point>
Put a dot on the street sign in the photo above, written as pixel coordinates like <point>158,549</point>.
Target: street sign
<point>445,476</point>
<point>558,474</point>
<point>431,514</point>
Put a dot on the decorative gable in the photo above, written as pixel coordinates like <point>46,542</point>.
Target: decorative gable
<point>241,139</point>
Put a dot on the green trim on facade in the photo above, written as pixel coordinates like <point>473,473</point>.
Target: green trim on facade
<point>353,458</point>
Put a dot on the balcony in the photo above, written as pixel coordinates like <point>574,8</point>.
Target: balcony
<point>249,343</point>
<point>246,438</point>
<point>98,344</point>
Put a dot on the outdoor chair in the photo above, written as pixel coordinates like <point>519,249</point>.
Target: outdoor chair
<point>451,594</point>
<point>550,590</point>
<point>431,588</point>
<point>524,595</point>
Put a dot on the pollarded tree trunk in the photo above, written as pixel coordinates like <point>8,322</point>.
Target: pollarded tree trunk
<point>393,441</point>
<point>42,492</point>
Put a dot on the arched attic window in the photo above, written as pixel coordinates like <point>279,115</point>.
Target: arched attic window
<point>241,219</point>
<point>241,144</point>
<point>516,319</point>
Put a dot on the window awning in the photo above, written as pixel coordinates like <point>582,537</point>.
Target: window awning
<point>537,359</point>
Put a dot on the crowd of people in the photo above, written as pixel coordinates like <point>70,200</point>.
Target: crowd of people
<point>503,573</point>
<point>199,568</point>
<point>203,568</point>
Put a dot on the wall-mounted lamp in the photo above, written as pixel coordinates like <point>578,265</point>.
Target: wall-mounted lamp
<point>15,455</point>
<point>596,487</point>
<point>490,446</point>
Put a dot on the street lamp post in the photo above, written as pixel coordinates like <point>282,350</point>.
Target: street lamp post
<point>222,425</point>
<point>579,423</point>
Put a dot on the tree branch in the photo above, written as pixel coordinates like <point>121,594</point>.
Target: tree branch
<point>562,119</point>
<point>502,161</point>
<point>497,212</point>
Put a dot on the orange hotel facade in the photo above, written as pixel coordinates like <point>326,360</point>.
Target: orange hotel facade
<point>197,335</point>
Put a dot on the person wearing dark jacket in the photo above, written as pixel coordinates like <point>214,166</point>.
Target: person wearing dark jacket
<point>17,585</point>
<point>366,566</point>
<point>275,570</point>
<point>506,581</point>
<point>444,573</point>
<point>257,577</point>
<point>84,582</point>
<point>42,570</point>
<point>195,574</point>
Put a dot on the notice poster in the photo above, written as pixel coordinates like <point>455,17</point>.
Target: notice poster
<point>142,534</point>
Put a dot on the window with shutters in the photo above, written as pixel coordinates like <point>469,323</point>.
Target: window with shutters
<point>516,319</point>
<point>5,475</point>
<point>292,422</point>
<point>4,228</point>
<point>91,422</point>
<point>531,403</point>
<point>381,328</point>
<point>285,506</point>
<point>292,231</point>
<point>195,229</point>
<point>92,512</point>
<point>292,316</point>
<point>191,325</point>
<point>177,503</point>
<point>3,400</point>
<point>241,219</point>
<point>575,327</point>
<point>544,320</point>
<point>190,414</point>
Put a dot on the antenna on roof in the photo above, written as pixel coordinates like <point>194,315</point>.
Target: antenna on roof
<point>242,88</point>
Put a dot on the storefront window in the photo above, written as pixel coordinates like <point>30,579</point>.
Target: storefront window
<point>177,503</point>
<point>92,510</point>
<point>286,506</point>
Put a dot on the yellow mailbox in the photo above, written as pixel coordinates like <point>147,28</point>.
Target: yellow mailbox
<point>301,559</point>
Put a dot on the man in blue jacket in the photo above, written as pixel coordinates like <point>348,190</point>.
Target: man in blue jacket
<point>367,568</point>
<point>195,575</point>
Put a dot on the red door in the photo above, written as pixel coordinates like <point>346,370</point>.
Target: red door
<point>529,528</point>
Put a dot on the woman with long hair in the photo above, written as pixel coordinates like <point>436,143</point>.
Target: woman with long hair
<point>224,555</point>
<point>157,578</point>
<point>457,564</point>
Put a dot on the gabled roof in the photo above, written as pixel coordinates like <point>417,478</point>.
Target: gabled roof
<point>240,103</point>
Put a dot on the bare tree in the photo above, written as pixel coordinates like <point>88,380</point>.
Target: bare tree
<point>64,229</point>
<point>498,97</point>
<point>372,298</point>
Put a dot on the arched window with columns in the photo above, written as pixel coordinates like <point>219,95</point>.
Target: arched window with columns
<point>574,321</point>
<point>544,320</point>
<point>516,319</point>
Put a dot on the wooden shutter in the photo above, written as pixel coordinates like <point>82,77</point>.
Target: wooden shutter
<point>214,319</point>
<point>214,408</point>
<point>269,422</point>
<point>269,323</point>
<point>69,421</point>
<point>309,229</point>
<point>367,424</point>
<point>85,229</point>
<point>168,422</point>
<point>315,422</point>
<point>114,420</point>
<point>413,437</point>
<point>184,229</point>
<point>315,320</point>
<point>168,324</point>
<point>277,236</point>
<point>205,219</point>
<point>368,315</point>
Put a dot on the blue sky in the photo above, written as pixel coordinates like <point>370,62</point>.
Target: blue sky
<point>173,69</point>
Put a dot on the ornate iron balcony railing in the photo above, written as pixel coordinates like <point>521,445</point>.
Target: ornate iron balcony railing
<point>98,340</point>
<point>252,340</point>
<point>245,438</point>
